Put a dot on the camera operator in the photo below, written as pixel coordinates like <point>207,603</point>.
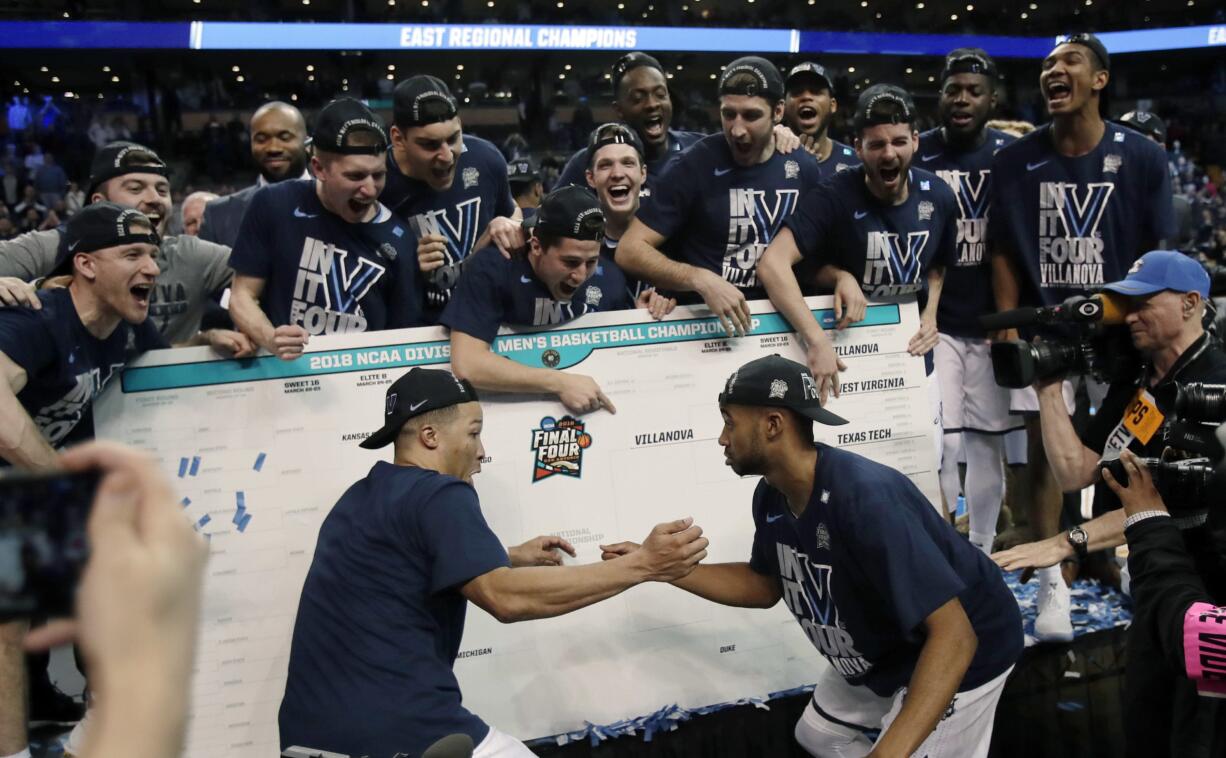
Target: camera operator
<point>1164,293</point>
<point>1174,682</point>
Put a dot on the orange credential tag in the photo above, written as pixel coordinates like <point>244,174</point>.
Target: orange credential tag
<point>1143,417</point>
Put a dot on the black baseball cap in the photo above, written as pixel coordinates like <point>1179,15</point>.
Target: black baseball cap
<point>522,170</point>
<point>628,63</point>
<point>867,113</point>
<point>1146,123</point>
<point>613,133</point>
<point>572,212</point>
<point>1086,39</point>
<point>778,382</point>
<point>809,68</point>
<point>968,60</point>
<point>117,158</point>
<point>340,119</point>
<point>422,100</point>
<point>98,226</point>
<point>419,391</point>
<point>763,78</point>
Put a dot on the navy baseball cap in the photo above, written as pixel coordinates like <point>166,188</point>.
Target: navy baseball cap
<point>98,226</point>
<point>120,158</point>
<point>629,62</point>
<point>1160,270</point>
<point>755,77</point>
<point>572,212</point>
<point>884,104</point>
<point>1146,123</point>
<point>340,119</point>
<point>613,133</point>
<point>808,68</point>
<point>778,382</point>
<point>522,170</point>
<point>968,60</point>
<point>1085,39</point>
<point>422,100</point>
<point>419,391</point>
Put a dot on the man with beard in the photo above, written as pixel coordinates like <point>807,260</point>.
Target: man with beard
<point>192,270</point>
<point>563,276</point>
<point>278,148</point>
<point>451,188</point>
<point>880,230</point>
<point>1074,204</point>
<point>808,109</point>
<point>974,408</point>
<point>918,627</point>
<point>722,201</point>
<point>322,255</point>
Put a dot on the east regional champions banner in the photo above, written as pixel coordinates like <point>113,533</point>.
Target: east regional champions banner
<point>261,449</point>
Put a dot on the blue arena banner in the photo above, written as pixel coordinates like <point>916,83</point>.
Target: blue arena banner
<point>862,43</point>
<point>1148,40</point>
<point>114,35</point>
<point>211,35</point>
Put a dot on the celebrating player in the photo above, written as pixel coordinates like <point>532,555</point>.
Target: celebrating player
<point>562,277</point>
<point>974,409</point>
<point>880,230</point>
<point>722,201</point>
<point>1074,203</point>
<point>451,188</point>
<point>918,626</point>
<point>808,109</point>
<point>398,559</point>
<point>323,256</point>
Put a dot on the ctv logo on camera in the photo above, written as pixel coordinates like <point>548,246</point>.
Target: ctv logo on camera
<point>559,446</point>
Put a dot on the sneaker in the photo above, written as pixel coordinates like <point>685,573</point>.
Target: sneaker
<point>75,740</point>
<point>49,706</point>
<point>1054,622</point>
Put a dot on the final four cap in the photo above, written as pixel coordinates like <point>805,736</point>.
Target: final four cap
<point>1146,123</point>
<point>1086,39</point>
<point>759,77</point>
<point>612,133</point>
<point>119,158</point>
<point>968,60</point>
<point>1160,270</point>
<point>422,100</point>
<point>420,391</point>
<point>629,62</point>
<point>522,170</point>
<point>339,120</point>
<point>98,226</point>
<point>884,104</point>
<point>778,382</point>
<point>571,212</point>
<point>808,68</point>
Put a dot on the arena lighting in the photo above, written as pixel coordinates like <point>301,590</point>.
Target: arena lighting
<point>211,35</point>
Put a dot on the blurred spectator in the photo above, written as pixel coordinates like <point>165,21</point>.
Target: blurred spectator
<point>29,201</point>
<point>48,116</point>
<point>99,133</point>
<point>33,160</point>
<point>50,181</point>
<point>10,185</point>
<point>74,199</point>
<point>19,117</point>
<point>193,211</point>
<point>8,229</point>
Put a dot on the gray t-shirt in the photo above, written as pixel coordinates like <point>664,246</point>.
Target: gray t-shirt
<point>191,271</point>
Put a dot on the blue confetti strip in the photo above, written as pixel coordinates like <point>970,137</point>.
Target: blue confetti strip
<point>242,522</point>
<point>1094,608</point>
<point>195,465</point>
<point>206,518</point>
<point>182,467</point>
<point>259,461</point>
<point>185,502</point>
<point>241,498</point>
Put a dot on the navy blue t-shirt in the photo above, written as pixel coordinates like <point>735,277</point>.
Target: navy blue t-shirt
<point>496,291</point>
<point>322,272</point>
<point>575,171</point>
<point>867,562</point>
<point>842,158</point>
<point>1075,224</point>
<point>890,248</point>
<point>460,214</point>
<point>721,215</point>
<point>967,291</point>
<point>66,366</point>
<point>381,616</point>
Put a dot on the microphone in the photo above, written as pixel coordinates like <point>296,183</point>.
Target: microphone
<point>451,746</point>
<point>1103,307</point>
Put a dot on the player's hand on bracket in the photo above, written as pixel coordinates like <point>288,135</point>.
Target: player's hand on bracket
<point>15,292</point>
<point>231,343</point>
<point>540,551</point>
<point>672,550</point>
<point>656,304</point>
<point>726,302</point>
<point>288,341</point>
<point>431,252</point>
<point>925,339</point>
<point>617,550</point>
<point>850,304</point>
<point>507,234</point>
<point>825,366</point>
<point>786,140</point>
<point>581,394</point>
<point>1034,555</point>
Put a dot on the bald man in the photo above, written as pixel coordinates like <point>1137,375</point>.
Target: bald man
<point>278,149</point>
<point>193,211</point>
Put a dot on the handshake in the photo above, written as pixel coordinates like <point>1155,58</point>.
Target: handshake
<point>670,552</point>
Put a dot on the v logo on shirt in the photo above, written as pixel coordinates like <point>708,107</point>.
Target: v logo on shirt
<point>902,265</point>
<point>1081,208</point>
<point>972,194</point>
<point>460,235</point>
<point>341,279</point>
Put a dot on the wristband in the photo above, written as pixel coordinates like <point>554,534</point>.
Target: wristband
<point>1137,518</point>
<point>1204,656</point>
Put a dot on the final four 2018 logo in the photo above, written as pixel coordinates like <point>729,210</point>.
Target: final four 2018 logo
<point>559,446</point>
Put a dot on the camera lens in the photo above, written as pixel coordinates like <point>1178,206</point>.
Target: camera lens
<point>1201,402</point>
